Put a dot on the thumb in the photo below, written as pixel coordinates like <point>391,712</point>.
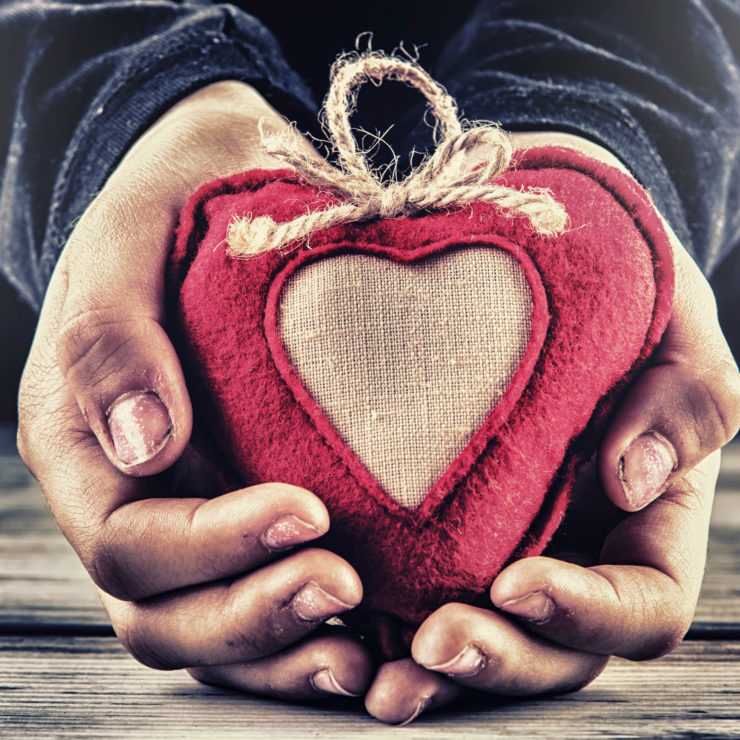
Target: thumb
<point>127,381</point>
<point>111,348</point>
<point>682,408</point>
<point>114,354</point>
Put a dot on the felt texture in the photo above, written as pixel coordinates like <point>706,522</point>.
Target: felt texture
<point>601,295</point>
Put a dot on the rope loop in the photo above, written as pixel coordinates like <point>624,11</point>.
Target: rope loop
<point>442,180</point>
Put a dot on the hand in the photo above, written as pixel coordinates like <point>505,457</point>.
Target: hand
<point>686,404</point>
<point>567,619</point>
<point>103,411</point>
<point>657,458</point>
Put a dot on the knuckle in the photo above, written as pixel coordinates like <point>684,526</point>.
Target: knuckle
<point>49,427</point>
<point>717,394</point>
<point>22,443</point>
<point>135,637</point>
<point>92,343</point>
<point>255,638</point>
<point>28,409</point>
<point>729,380</point>
<point>590,672</point>
<point>38,405</point>
<point>656,614</point>
<point>672,624</point>
<point>663,643</point>
<point>251,644</point>
<point>108,570</point>
<point>706,396</point>
<point>683,615</point>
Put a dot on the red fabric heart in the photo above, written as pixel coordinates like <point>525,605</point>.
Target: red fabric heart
<point>602,296</point>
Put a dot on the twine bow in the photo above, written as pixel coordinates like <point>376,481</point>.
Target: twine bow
<point>442,180</point>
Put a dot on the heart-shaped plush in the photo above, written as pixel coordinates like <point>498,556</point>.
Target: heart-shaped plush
<point>435,379</point>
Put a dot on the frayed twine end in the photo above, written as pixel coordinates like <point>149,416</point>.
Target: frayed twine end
<point>250,237</point>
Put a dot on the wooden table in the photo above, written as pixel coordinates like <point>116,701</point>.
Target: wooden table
<point>63,673</point>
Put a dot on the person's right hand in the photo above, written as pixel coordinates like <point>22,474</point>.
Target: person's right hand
<point>188,581</point>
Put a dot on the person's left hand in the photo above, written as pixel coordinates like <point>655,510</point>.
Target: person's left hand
<point>556,623</point>
<point>638,604</point>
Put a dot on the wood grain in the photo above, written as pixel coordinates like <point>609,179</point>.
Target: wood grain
<point>42,582</point>
<point>57,679</point>
<point>90,688</point>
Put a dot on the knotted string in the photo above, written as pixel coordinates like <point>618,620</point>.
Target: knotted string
<point>442,180</point>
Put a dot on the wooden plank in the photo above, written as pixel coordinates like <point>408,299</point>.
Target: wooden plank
<point>90,688</point>
<point>730,472</point>
<point>43,584</point>
<point>719,602</point>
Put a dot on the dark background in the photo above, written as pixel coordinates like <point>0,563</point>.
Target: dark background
<point>17,323</point>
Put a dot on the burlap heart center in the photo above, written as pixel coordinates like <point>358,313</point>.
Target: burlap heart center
<point>407,359</point>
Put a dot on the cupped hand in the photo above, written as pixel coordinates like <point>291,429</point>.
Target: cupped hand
<point>188,580</point>
<point>554,624</point>
<point>205,584</point>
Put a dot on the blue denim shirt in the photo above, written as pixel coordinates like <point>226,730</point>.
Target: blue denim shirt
<point>656,82</point>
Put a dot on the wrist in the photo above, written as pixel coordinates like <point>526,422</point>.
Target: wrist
<point>212,133</point>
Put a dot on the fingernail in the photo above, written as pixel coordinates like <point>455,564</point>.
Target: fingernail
<point>466,663</point>
<point>422,706</point>
<point>139,426</point>
<point>325,682</point>
<point>288,531</point>
<point>312,603</point>
<point>645,467</point>
<point>536,607</point>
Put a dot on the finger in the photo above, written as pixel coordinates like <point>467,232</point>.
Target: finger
<point>155,545</point>
<point>320,666</point>
<point>484,650</point>
<point>244,620</point>
<point>683,407</point>
<point>402,690</point>
<point>638,605</point>
<point>134,542</point>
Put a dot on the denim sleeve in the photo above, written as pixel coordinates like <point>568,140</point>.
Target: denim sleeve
<point>79,82</point>
<point>655,81</point>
